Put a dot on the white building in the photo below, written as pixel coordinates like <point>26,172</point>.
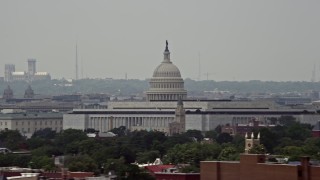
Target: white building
<point>28,123</point>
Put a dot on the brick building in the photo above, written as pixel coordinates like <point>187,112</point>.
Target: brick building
<point>254,167</point>
<point>316,130</point>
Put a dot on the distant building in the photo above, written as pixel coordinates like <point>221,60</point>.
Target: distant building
<point>292,100</point>
<point>38,105</point>
<point>179,124</point>
<point>8,70</point>
<point>12,75</point>
<point>243,128</point>
<point>28,123</point>
<point>316,130</point>
<point>31,67</point>
<point>7,93</point>
<point>19,76</point>
<point>28,93</point>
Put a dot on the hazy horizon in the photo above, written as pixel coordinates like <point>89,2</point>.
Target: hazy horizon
<point>237,40</point>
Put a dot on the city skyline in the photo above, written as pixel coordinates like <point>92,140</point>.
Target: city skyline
<point>247,40</point>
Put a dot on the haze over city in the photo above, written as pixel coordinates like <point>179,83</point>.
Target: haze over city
<point>236,40</point>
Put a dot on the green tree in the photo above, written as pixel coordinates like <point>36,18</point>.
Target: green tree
<point>211,134</point>
<point>36,142</point>
<point>14,160</point>
<point>89,146</point>
<point>42,162</point>
<point>258,149</point>
<point>69,136</point>
<point>47,150</point>
<point>299,131</point>
<point>228,154</point>
<point>293,152</point>
<point>81,163</point>
<point>46,133</point>
<point>192,153</point>
<point>120,131</point>
<point>194,133</point>
<point>224,138</point>
<point>12,140</point>
<point>147,157</point>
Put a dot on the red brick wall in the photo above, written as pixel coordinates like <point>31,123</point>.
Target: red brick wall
<point>315,173</point>
<point>316,133</point>
<point>219,170</point>
<point>208,170</point>
<point>229,170</point>
<point>177,176</point>
<point>270,172</point>
<point>250,168</point>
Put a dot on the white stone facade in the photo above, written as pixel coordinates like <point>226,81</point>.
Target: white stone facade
<point>28,123</point>
<point>105,120</point>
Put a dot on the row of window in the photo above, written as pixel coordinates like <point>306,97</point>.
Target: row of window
<point>167,85</point>
<point>40,123</point>
<point>35,123</point>
<point>167,74</point>
<point>166,80</point>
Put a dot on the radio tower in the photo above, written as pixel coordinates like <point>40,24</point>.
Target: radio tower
<point>313,78</point>
<point>77,76</point>
<point>199,70</point>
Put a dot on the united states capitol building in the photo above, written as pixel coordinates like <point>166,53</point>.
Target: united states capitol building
<point>168,109</point>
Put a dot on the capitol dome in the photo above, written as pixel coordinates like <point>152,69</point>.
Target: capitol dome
<point>166,83</point>
<point>166,70</point>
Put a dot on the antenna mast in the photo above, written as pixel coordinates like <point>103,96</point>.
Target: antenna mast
<point>77,76</point>
<point>199,70</point>
<point>313,78</point>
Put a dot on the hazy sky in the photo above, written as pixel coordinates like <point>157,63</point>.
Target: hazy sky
<point>237,40</point>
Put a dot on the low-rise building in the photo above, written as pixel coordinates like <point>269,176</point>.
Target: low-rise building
<point>28,123</point>
<point>254,166</point>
